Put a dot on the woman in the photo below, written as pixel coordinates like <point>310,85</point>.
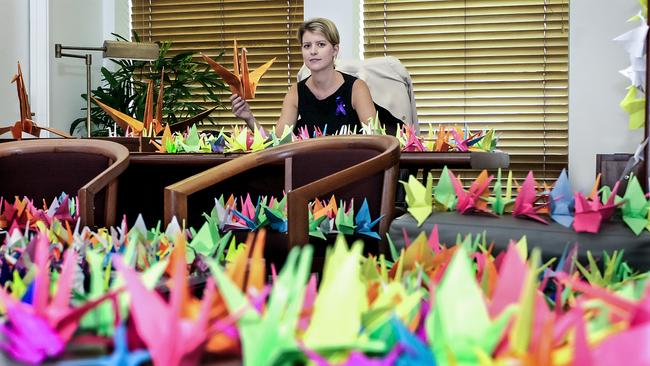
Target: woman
<point>327,99</point>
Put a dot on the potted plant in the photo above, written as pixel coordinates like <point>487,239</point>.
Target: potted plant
<point>188,83</point>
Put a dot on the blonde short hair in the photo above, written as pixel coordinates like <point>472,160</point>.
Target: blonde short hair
<point>321,25</point>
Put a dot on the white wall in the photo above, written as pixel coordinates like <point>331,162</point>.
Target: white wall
<point>346,15</point>
<point>14,28</point>
<point>596,122</point>
<point>79,23</point>
<point>73,23</point>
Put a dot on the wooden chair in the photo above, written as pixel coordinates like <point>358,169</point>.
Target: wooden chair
<point>366,166</point>
<point>42,169</point>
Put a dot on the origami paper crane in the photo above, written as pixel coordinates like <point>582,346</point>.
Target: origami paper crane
<point>26,124</point>
<point>373,126</point>
<point>419,198</point>
<point>409,139</point>
<point>345,219</point>
<point>459,318</point>
<point>634,43</point>
<point>332,327</point>
<point>266,336</point>
<point>102,319</point>
<point>590,214</point>
<point>330,210</point>
<point>284,138</point>
<point>364,223</point>
<point>121,355</point>
<point>634,106</point>
<point>473,200</point>
<point>394,301</point>
<point>277,218</point>
<point>41,328</point>
<point>239,140</point>
<point>635,208</point>
<point>463,143</point>
<point>525,202</point>
<point>442,143</point>
<point>498,201</point>
<point>488,142</point>
<point>208,241</point>
<point>561,201</point>
<point>445,193</point>
<point>241,82</point>
<point>160,324</point>
<point>260,142</point>
<point>152,122</point>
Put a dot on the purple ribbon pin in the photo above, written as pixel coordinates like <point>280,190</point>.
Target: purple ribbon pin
<point>340,107</point>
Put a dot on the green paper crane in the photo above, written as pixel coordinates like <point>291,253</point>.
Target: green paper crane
<point>193,141</point>
<point>458,326</point>
<point>418,198</point>
<point>487,143</point>
<point>314,226</point>
<point>285,138</point>
<point>497,200</point>
<point>266,337</point>
<point>635,208</point>
<point>102,319</point>
<point>207,242</point>
<point>444,193</point>
<point>345,220</point>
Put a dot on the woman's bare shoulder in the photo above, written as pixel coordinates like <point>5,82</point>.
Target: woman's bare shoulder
<point>292,95</point>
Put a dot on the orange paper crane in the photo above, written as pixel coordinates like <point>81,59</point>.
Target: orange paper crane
<point>151,125</point>
<point>25,124</point>
<point>241,81</point>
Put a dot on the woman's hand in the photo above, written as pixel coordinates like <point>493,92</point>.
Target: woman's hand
<point>241,109</point>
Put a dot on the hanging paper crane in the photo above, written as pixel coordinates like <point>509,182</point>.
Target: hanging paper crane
<point>26,124</point>
<point>240,80</point>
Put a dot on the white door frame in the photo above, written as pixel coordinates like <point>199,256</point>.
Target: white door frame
<point>39,60</point>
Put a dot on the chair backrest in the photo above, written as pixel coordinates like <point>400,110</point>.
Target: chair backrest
<point>389,83</point>
<point>313,168</point>
<point>42,169</point>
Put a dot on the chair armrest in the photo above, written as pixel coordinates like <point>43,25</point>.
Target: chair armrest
<point>118,157</point>
<point>298,199</point>
<point>176,194</point>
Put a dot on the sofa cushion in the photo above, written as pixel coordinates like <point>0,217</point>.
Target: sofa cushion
<point>551,239</point>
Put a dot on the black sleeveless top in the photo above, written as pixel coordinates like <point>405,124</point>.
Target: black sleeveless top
<point>332,113</point>
<point>335,111</point>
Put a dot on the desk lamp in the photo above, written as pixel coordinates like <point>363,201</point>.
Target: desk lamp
<point>111,49</point>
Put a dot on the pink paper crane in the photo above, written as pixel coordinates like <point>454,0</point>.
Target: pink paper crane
<point>590,214</point>
<point>171,338</point>
<point>39,330</point>
<point>473,200</point>
<point>525,202</point>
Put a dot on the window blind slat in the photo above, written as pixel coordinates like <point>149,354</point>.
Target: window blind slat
<point>266,28</point>
<point>499,64</point>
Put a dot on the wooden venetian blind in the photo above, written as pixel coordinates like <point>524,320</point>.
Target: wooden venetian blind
<point>266,28</point>
<point>499,64</point>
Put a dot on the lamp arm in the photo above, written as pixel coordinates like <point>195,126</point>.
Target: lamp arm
<point>58,48</point>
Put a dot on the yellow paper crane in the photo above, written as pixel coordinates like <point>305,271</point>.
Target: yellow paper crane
<point>26,124</point>
<point>241,81</point>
